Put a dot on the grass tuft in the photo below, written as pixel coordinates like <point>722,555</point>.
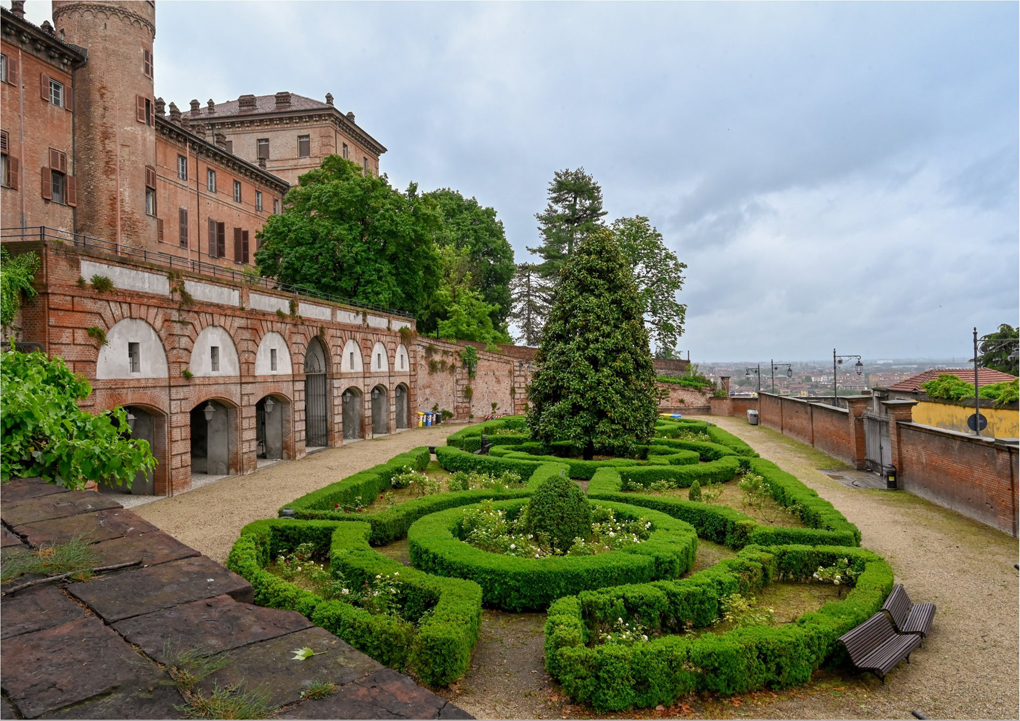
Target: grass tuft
<point>319,689</point>
<point>75,555</point>
<point>230,702</point>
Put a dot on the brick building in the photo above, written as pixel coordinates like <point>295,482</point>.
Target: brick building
<point>289,133</point>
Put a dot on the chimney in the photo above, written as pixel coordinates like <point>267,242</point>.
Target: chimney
<point>221,140</point>
<point>724,381</point>
<point>212,106</point>
<point>47,27</point>
<point>282,100</point>
<point>245,103</point>
<point>199,130</point>
<point>329,99</point>
<point>175,114</point>
<point>160,107</point>
<point>195,107</point>
<point>350,116</point>
<point>18,8</point>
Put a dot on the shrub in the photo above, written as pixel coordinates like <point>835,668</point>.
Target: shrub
<point>101,284</point>
<point>96,334</point>
<point>695,493</point>
<point>558,513</point>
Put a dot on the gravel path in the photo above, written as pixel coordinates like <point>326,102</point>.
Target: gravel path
<point>210,518</point>
<point>968,667</point>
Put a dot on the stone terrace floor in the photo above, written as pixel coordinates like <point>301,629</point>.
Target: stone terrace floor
<point>99,649</point>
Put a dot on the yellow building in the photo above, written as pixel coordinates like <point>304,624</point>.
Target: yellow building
<point>1002,422</point>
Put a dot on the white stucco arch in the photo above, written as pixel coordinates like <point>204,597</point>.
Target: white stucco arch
<point>115,359</point>
<point>264,356</point>
<point>214,336</point>
<point>403,360</point>
<point>352,362</point>
<point>380,362</point>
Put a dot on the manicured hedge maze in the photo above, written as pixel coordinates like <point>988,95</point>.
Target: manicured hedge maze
<point>523,584</point>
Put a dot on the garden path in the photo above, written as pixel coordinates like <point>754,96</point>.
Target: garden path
<point>211,518</point>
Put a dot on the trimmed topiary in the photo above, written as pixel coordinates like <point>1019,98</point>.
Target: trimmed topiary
<point>695,493</point>
<point>558,513</point>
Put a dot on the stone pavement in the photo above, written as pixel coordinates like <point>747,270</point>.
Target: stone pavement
<point>100,648</point>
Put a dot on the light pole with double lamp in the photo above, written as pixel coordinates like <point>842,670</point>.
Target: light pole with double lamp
<point>987,346</point>
<point>837,360</point>
<point>754,372</point>
<point>789,372</point>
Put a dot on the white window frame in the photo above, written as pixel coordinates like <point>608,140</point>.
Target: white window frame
<point>182,167</point>
<point>210,180</point>
<point>57,93</point>
<point>258,200</point>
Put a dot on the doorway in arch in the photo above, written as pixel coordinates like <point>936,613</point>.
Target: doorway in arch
<point>316,405</point>
<point>401,401</point>
<point>380,411</point>
<point>352,411</point>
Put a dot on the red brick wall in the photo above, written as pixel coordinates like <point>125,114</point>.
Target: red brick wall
<point>44,126</point>
<point>679,399</point>
<point>831,432</point>
<point>976,477</point>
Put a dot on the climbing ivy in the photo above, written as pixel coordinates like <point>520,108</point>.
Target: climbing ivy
<point>16,276</point>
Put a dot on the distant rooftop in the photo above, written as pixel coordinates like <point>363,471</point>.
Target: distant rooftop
<point>986,376</point>
<point>247,104</point>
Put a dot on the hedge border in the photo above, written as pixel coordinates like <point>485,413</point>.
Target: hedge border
<point>517,584</point>
<point>616,677</point>
<point>439,650</point>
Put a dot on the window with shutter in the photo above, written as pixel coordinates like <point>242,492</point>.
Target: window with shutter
<point>150,177</point>
<point>3,141</point>
<point>304,146</point>
<point>221,240</point>
<point>12,72</point>
<point>237,245</point>
<point>212,238</point>
<point>159,229</point>
<point>14,173</point>
<point>244,246</point>
<point>150,112</point>
<point>69,99</point>
<point>146,63</point>
<point>72,191</point>
<point>140,114</point>
<point>182,167</point>
<point>237,191</point>
<point>182,214</point>
<point>210,180</point>
<point>44,86</point>
<point>3,68</point>
<point>47,184</point>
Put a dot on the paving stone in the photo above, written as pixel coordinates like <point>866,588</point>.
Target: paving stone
<point>58,505</point>
<point>25,488</point>
<point>10,540</point>
<point>383,694</point>
<point>148,549</point>
<point>209,626</point>
<point>134,592</point>
<point>452,710</point>
<point>149,696</point>
<point>96,527</point>
<point>35,609</point>
<point>269,665</point>
<point>48,670</point>
<point>6,710</point>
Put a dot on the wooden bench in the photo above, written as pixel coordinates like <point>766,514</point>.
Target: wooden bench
<point>875,646</point>
<point>909,617</point>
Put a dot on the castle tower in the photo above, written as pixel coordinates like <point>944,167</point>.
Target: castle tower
<point>115,133</point>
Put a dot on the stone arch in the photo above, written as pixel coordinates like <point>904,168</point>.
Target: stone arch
<point>214,435</point>
<point>351,361</point>
<point>133,350</point>
<point>316,365</point>
<point>380,411</point>
<point>273,356</point>
<point>402,406</point>
<point>353,411</point>
<point>214,354</point>
<point>402,362</point>
<point>274,423</point>
<point>380,362</point>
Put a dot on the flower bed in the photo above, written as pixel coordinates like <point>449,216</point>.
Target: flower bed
<point>518,584</point>
<point>617,676</point>
<point>435,631</point>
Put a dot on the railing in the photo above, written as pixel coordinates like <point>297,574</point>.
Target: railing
<point>42,234</point>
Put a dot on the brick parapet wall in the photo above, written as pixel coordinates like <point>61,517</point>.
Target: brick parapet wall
<point>681,399</point>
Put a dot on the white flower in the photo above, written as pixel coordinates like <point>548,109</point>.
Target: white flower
<point>619,620</point>
<point>836,582</point>
<point>345,591</point>
<point>396,573</point>
<point>644,637</point>
<point>513,546</point>
<point>378,576</point>
<point>298,568</point>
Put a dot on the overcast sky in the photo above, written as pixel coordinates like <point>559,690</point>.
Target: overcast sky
<point>832,174</point>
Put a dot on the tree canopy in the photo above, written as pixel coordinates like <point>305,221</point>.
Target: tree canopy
<point>595,383</point>
<point>573,213</point>
<point>45,434</point>
<point>531,294</point>
<point>659,276</point>
<point>348,233</point>
<point>995,349</point>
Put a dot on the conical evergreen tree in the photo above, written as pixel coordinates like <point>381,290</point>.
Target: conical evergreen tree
<point>595,384</point>
<point>573,213</point>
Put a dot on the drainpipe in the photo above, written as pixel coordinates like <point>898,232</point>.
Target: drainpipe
<point>23,190</point>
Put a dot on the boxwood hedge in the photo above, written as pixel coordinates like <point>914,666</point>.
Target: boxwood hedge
<point>672,428</point>
<point>584,470</point>
<point>439,650</point>
<point>617,677</point>
<point>518,584</point>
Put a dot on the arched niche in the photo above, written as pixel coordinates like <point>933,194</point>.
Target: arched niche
<point>133,350</point>
<point>353,406</point>
<point>214,354</point>
<point>352,361</point>
<point>403,360</point>
<point>317,406</point>
<point>402,406</point>
<point>273,356</point>
<point>380,411</point>
<point>380,362</point>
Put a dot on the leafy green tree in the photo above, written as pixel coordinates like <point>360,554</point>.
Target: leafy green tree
<point>595,383</point>
<point>659,276</point>
<point>995,349</point>
<point>350,234</point>
<point>531,296</point>
<point>574,212</point>
<point>487,256</point>
<point>45,434</point>
<point>16,276</point>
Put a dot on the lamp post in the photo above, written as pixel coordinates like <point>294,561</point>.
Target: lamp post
<point>988,345</point>
<point>789,372</point>
<point>836,361</point>
<point>755,372</point>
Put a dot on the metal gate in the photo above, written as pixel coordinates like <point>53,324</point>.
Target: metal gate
<point>315,411</point>
<point>876,443</point>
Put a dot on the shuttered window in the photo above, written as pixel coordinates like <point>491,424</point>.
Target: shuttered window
<point>147,62</point>
<point>145,110</point>
<point>263,148</point>
<point>182,221</point>
<point>258,200</point>
<point>182,167</point>
<point>57,185</point>
<point>240,245</point>
<point>217,239</point>
<point>11,166</point>
<point>237,191</point>
<point>304,146</point>
<point>12,77</point>
<point>150,190</point>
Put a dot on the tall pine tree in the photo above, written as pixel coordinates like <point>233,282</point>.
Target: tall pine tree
<point>595,383</point>
<point>573,213</point>
<point>531,295</point>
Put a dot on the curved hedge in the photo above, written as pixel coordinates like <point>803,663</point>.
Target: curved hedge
<point>439,650</point>
<point>584,470</point>
<point>617,677</point>
<point>671,428</point>
<point>470,438</point>
<point>718,471</point>
<point>518,584</point>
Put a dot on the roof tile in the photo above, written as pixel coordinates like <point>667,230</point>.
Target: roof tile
<point>986,376</point>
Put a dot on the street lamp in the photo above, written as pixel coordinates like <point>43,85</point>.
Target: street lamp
<point>789,372</point>
<point>838,360</point>
<point>987,345</point>
<point>754,372</point>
